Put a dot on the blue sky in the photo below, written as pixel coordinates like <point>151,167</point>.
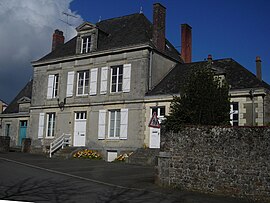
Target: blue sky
<point>237,29</point>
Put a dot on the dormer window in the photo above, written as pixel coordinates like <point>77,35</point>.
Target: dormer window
<point>86,45</point>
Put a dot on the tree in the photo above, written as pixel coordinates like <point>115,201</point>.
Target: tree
<point>204,101</point>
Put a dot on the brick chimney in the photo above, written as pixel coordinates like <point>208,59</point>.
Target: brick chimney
<point>159,17</point>
<point>58,39</point>
<point>186,43</point>
<point>259,68</point>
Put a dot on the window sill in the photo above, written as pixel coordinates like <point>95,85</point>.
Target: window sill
<point>49,138</point>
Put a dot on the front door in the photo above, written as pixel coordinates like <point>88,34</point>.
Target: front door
<point>22,133</point>
<point>154,138</point>
<point>79,129</point>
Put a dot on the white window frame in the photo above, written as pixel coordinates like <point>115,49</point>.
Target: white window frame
<point>50,130</point>
<point>86,45</point>
<point>53,86</point>
<point>234,112</point>
<point>81,115</point>
<point>117,78</point>
<point>85,90</point>
<point>117,112</point>
<point>159,116</point>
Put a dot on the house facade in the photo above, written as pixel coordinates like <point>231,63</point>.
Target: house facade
<point>93,86</point>
<point>103,87</point>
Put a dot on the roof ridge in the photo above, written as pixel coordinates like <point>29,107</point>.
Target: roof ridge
<point>124,16</point>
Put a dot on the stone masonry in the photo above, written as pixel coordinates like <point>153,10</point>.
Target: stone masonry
<point>226,161</point>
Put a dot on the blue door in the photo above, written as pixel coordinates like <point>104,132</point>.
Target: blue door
<point>23,128</point>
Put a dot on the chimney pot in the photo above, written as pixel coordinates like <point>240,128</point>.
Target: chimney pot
<point>159,18</point>
<point>186,43</point>
<point>259,68</point>
<point>209,58</point>
<point>58,39</point>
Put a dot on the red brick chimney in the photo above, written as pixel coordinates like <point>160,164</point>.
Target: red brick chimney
<point>58,39</point>
<point>259,68</point>
<point>186,43</point>
<point>159,17</point>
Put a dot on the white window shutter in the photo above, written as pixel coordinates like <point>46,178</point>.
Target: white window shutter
<point>41,125</point>
<point>126,77</point>
<point>70,81</point>
<point>50,86</point>
<point>101,124</point>
<point>104,79</point>
<point>93,81</point>
<point>124,124</point>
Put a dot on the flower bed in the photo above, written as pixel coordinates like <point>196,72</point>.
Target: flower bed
<point>87,154</point>
<point>123,157</point>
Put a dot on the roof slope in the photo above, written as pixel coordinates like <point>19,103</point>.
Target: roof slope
<point>236,75</point>
<point>116,33</point>
<point>13,107</point>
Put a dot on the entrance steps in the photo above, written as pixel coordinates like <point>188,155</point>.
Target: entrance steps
<point>65,153</point>
<point>144,156</point>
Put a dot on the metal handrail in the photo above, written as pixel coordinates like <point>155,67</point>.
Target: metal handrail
<point>61,141</point>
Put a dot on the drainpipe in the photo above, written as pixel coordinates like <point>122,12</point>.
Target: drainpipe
<point>251,94</point>
<point>150,71</point>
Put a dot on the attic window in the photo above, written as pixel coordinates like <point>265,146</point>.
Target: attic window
<point>86,45</point>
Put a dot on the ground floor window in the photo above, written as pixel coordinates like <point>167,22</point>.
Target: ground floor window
<point>160,112</point>
<point>114,123</point>
<point>50,124</point>
<point>7,130</point>
<point>234,114</point>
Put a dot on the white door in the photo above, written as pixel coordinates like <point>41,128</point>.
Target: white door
<point>154,138</point>
<point>79,129</point>
<point>154,141</point>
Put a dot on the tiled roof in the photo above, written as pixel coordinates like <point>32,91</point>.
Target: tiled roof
<point>120,32</point>
<point>13,107</point>
<point>236,75</point>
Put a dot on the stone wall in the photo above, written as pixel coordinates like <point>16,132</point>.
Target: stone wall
<point>226,161</point>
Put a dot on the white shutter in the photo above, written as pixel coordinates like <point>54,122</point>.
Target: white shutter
<point>104,79</point>
<point>50,86</point>
<point>93,81</point>
<point>41,125</point>
<point>101,124</point>
<point>124,124</point>
<point>70,81</point>
<point>126,77</point>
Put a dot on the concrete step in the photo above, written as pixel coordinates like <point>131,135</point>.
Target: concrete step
<point>65,153</point>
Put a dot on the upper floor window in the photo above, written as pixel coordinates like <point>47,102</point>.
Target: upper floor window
<point>83,83</point>
<point>86,45</point>
<point>116,78</point>
<point>53,86</point>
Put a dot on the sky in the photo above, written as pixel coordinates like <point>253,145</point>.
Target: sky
<point>238,29</point>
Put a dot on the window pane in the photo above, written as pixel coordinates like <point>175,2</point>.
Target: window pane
<point>162,111</point>
<point>154,110</point>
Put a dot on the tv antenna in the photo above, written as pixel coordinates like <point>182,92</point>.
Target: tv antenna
<point>67,20</point>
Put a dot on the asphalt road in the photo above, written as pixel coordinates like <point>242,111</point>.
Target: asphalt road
<point>35,178</point>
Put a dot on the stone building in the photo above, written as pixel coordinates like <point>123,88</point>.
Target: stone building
<point>3,106</point>
<point>103,86</point>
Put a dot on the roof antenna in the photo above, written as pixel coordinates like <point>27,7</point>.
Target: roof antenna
<point>66,21</point>
<point>141,10</point>
<point>99,19</point>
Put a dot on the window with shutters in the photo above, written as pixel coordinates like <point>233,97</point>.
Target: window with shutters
<point>83,83</point>
<point>234,114</point>
<point>116,78</point>
<point>86,44</point>
<point>50,127</point>
<point>53,86</point>
<point>114,123</point>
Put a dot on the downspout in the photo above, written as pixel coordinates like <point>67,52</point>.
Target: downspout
<point>150,71</point>
<point>263,110</point>
<point>251,93</point>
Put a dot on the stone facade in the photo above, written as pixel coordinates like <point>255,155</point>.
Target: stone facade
<point>216,160</point>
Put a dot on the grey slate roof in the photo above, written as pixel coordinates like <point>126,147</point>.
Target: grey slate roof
<point>13,107</point>
<point>236,75</point>
<point>120,32</point>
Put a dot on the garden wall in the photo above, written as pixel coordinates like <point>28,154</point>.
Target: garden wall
<point>227,161</point>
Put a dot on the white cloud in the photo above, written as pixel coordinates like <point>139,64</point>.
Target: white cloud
<point>26,35</point>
